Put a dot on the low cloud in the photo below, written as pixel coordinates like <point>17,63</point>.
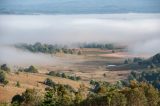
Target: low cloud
<point>13,56</point>
<point>140,32</point>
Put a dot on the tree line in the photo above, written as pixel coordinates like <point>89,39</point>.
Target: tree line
<point>48,48</point>
<point>64,75</point>
<point>98,45</point>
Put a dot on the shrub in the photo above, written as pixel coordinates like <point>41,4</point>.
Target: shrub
<point>126,62</point>
<point>31,97</point>
<point>58,74</point>
<point>49,82</point>
<point>78,98</point>
<point>20,70</point>
<point>104,75</point>
<point>64,75</point>
<point>17,100</point>
<point>3,78</point>
<point>79,52</point>
<point>31,69</point>
<point>52,73</point>
<point>5,82</point>
<point>72,77</point>
<point>59,95</point>
<point>78,78</point>
<point>4,67</point>
<point>17,84</point>
<point>93,82</point>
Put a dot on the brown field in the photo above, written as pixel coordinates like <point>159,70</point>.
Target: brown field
<point>29,80</point>
<point>92,64</point>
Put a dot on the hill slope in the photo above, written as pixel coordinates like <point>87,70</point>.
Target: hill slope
<point>151,62</point>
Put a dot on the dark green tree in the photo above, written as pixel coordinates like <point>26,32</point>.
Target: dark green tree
<point>31,69</point>
<point>3,79</point>
<point>4,67</point>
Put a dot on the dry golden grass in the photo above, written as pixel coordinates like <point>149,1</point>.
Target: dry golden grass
<point>7,92</point>
<point>29,80</point>
<point>90,65</point>
<point>122,55</point>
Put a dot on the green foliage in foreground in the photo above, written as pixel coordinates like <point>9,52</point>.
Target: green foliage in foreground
<point>102,94</point>
<point>31,97</point>
<point>3,78</point>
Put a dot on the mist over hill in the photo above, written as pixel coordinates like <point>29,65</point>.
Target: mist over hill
<point>140,32</point>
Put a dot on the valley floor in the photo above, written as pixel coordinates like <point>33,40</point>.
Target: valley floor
<point>91,65</point>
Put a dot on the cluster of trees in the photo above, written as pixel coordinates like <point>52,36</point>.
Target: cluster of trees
<point>3,69</point>
<point>63,75</point>
<point>152,62</point>
<point>51,83</point>
<point>136,94</point>
<point>149,76</point>
<point>48,48</point>
<point>3,79</point>
<point>134,60</point>
<point>102,94</point>
<point>31,97</point>
<point>140,89</point>
<point>156,59</point>
<point>30,69</point>
<point>62,95</point>
<point>55,95</point>
<point>97,45</point>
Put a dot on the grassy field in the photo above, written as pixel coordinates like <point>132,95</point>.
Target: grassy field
<point>92,64</point>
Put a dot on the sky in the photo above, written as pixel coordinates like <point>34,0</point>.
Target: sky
<point>78,6</point>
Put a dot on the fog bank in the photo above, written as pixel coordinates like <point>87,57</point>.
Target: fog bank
<point>13,56</point>
<point>140,32</point>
